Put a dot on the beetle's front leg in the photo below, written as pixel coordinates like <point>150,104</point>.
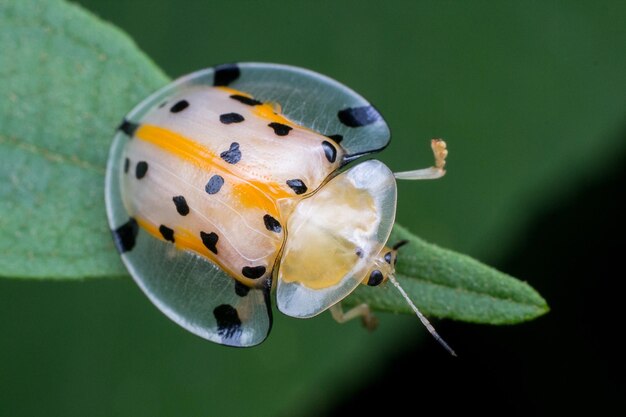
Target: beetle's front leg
<point>362,310</point>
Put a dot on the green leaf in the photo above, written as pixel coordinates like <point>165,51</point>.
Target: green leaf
<point>68,78</point>
<point>447,284</point>
<point>56,125</point>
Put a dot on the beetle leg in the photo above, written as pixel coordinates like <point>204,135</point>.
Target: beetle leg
<point>362,310</point>
<point>440,152</point>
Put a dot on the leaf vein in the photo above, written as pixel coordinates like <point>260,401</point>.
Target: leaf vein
<point>51,155</point>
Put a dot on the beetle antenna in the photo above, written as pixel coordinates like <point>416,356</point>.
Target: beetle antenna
<point>440,151</point>
<point>422,318</point>
<point>400,244</point>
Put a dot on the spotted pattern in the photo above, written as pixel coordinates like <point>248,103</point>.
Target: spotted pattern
<point>181,205</point>
<point>272,224</point>
<point>125,236</point>
<point>359,252</point>
<point>126,165</point>
<point>246,100</point>
<point>241,289</point>
<point>232,155</point>
<point>376,277</point>
<point>297,186</point>
<point>225,74</point>
<point>358,116</point>
<point>179,106</point>
<point>141,169</point>
<point>330,151</point>
<point>205,237</point>
<point>229,118</point>
<point>228,321</point>
<point>214,185</point>
<point>210,241</point>
<point>280,129</point>
<point>128,127</point>
<point>253,272</point>
<point>167,233</point>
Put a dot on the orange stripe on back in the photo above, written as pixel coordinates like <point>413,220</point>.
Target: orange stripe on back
<point>186,240</point>
<point>178,145</point>
<point>253,193</point>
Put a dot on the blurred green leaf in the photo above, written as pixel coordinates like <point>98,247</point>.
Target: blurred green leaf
<point>526,97</point>
<point>56,128</point>
<point>67,80</point>
<point>447,284</point>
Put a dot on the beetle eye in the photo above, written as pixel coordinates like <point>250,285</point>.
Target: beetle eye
<point>388,257</point>
<point>376,277</point>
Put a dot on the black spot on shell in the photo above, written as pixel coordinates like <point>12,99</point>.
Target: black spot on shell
<point>272,224</point>
<point>181,205</point>
<point>228,118</point>
<point>128,127</point>
<point>388,258</point>
<point>358,116</point>
<point>336,138</point>
<point>233,155</point>
<point>280,129</point>
<point>359,252</point>
<point>125,236</point>
<point>297,186</point>
<point>141,169</point>
<point>214,185</point>
<point>376,277</point>
<point>225,74</point>
<point>241,289</point>
<point>228,321</point>
<point>330,151</point>
<point>210,241</point>
<point>167,233</point>
<point>180,106</point>
<point>126,165</point>
<point>246,100</point>
<point>253,272</point>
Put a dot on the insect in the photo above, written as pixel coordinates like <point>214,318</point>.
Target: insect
<point>234,182</point>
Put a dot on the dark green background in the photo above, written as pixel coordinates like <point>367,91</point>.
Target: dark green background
<point>530,97</point>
